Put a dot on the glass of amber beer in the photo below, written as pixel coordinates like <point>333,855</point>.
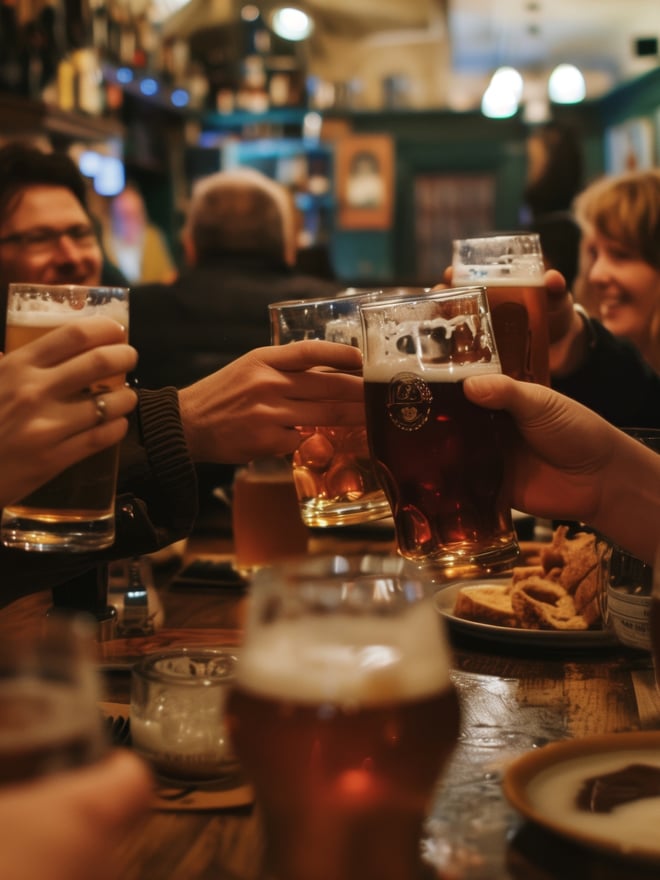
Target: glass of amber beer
<point>332,471</point>
<point>343,715</point>
<point>439,457</point>
<point>512,269</point>
<point>74,512</point>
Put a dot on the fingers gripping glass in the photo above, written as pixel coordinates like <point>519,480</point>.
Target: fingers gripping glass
<point>42,240</point>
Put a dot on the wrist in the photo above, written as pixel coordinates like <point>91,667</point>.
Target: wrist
<point>570,352</point>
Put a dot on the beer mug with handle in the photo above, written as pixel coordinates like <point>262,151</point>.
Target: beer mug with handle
<point>343,715</point>
<point>439,457</point>
<point>334,477</point>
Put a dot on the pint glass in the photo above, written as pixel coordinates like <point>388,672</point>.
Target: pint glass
<point>73,512</point>
<point>343,715</point>
<point>334,477</point>
<point>511,267</point>
<point>439,457</point>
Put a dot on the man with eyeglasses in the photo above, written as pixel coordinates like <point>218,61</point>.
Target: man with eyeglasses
<point>246,410</point>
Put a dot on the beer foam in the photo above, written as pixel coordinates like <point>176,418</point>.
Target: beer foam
<point>39,313</point>
<point>395,346</point>
<point>553,794</point>
<point>343,659</point>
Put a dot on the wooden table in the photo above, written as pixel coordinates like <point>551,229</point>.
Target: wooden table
<point>511,701</point>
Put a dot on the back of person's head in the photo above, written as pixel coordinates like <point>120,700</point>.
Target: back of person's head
<point>241,211</point>
<point>24,165</point>
<point>625,209</point>
<point>556,168</point>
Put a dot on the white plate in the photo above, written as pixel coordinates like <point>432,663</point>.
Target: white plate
<point>445,599</point>
<point>543,786</point>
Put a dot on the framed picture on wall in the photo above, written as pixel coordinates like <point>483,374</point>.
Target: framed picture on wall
<point>364,173</point>
<point>630,146</point>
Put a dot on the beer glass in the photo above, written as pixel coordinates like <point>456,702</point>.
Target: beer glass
<point>512,269</point>
<point>266,523</point>
<point>73,512</point>
<point>49,717</point>
<point>334,477</point>
<point>343,714</point>
<point>439,457</point>
<point>626,588</point>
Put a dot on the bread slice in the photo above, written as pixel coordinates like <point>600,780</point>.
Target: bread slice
<point>486,603</point>
<point>544,604</point>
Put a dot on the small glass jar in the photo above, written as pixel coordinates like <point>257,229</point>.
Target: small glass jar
<point>178,713</point>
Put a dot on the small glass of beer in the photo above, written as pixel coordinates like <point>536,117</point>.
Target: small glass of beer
<point>49,692</point>
<point>439,457</point>
<point>343,715</point>
<point>74,512</point>
<point>334,477</point>
<point>512,269</point>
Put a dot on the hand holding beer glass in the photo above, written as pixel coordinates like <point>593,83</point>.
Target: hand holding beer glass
<point>512,270</point>
<point>343,715</point>
<point>439,457</point>
<point>334,477</point>
<point>74,512</point>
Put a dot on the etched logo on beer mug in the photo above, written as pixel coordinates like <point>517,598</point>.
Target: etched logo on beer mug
<point>439,457</point>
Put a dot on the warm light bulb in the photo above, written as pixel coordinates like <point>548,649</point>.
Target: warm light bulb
<point>566,85</point>
<point>292,23</point>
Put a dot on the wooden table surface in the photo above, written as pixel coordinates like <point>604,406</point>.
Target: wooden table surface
<point>512,701</point>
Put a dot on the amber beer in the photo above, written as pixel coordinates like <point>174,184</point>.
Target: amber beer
<point>343,735</point>
<point>443,472</point>
<point>42,729</point>
<point>266,521</point>
<point>519,313</point>
<point>75,510</point>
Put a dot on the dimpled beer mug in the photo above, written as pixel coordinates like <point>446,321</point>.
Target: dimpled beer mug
<point>73,512</point>
<point>334,478</point>
<point>439,457</point>
<point>343,715</point>
<point>511,267</point>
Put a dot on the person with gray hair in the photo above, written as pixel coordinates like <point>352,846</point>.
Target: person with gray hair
<point>239,241</point>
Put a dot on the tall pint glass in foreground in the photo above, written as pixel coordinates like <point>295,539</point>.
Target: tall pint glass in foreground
<point>343,715</point>
<point>334,477</point>
<point>73,512</point>
<point>511,267</point>
<point>439,457</point>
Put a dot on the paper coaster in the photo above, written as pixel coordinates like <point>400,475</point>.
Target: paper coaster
<point>203,796</point>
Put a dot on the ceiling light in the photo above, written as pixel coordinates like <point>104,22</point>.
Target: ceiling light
<point>291,23</point>
<point>508,79</point>
<point>566,85</point>
<point>498,103</point>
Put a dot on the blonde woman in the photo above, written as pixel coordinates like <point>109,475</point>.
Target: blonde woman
<point>619,278</point>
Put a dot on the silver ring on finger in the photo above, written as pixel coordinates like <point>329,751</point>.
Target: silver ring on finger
<point>101,409</point>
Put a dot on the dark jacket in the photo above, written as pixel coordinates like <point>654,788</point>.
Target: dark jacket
<point>615,381</point>
<point>210,316</point>
<point>156,503</point>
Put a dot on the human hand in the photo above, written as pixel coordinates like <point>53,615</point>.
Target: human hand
<point>48,418</point>
<point>249,409</point>
<point>70,825</point>
<point>569,463</point>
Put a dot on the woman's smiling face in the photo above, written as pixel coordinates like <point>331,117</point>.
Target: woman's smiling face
<point>627,287</point>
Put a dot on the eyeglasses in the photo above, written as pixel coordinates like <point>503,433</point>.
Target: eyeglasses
<point>43,240</point>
